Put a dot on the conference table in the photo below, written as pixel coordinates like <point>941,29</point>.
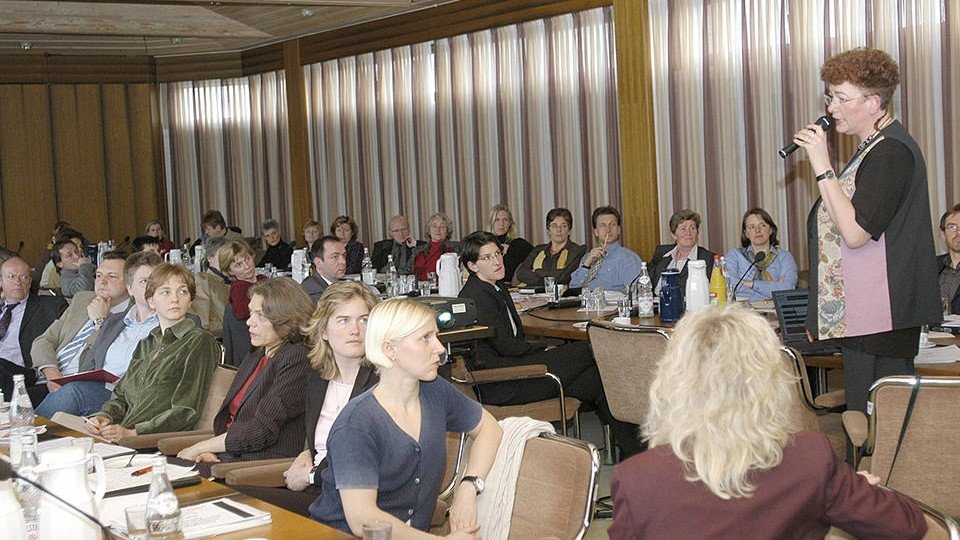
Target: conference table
<point>284,525</point>
<point>559,323</point>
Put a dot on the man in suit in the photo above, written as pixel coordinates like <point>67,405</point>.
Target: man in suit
<point>685,229</point>
<point>330,263</point>
<point>58,350</point>
<point>114,344</point>
<point>400,245</point>
<point>948,264</point>
<point>24,317</point>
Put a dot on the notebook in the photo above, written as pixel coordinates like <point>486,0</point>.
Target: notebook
<point>791,309</point>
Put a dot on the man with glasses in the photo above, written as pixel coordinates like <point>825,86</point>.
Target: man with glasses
<point>400,245</point>
<point>608,264</point>
<point>60,349</point>
<point>24,317</point>
<point>949,262</point>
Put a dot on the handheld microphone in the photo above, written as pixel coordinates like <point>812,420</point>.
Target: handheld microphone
<point>824,122</point>
<point>756,260</point>
<point>7,472</point>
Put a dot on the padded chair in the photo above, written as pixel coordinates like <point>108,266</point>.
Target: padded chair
<point>832,401</point>
<point>939,527</point>
<point>219,386</point>
<point>562,409</point>
<point>927,467</point>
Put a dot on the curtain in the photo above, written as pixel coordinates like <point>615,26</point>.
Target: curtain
<point>524,115</point>
<point>227,149</point>
<point>734,79</point>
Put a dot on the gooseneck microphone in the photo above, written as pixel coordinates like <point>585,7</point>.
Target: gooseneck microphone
<point>7,472</point>
<point>756,260</point>
<point>824,122</point>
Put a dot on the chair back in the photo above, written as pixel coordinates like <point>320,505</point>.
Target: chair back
<point>939,527</point>
<point>808,410</point>
<point>927,467</point>
<point>627,357</point>
<point>555,488</point>
<point>219,386</point>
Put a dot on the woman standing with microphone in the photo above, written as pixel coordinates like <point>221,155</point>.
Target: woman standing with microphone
<point>873,273</point>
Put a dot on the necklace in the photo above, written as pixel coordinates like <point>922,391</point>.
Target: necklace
<point>880,125</point>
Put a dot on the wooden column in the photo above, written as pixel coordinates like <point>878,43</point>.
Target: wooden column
<point>297,132</point>
<point>638,159</point>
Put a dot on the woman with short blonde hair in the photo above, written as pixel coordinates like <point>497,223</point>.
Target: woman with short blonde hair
<point>727,448</point>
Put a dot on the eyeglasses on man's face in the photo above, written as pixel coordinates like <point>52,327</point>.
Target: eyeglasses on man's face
<point>952,228</point>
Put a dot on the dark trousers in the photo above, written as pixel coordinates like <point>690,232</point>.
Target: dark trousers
<point>7,370</point>
<point>574,365</point>
<point>861,370</point>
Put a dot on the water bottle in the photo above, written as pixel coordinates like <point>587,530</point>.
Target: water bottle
<point>367,272</point>
<point>21,408</point>
<point>644,293</point>
<point>29,496</point>
<point>391,274</point>
<point>726,278</point>
<point>718,285</point>
<point>163,509</point>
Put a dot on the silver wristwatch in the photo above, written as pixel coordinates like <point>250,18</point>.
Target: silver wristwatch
<point>477,482</point>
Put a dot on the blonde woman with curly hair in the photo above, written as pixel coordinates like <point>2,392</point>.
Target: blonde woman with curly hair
<point>727,454</point>
<point>387,448</point>
<point>340,372</point>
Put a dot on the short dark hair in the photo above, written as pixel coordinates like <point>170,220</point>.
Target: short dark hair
<point>560,213</point>
<point>114,256</point>
<point>948,213</point>
<point>164,273</point>
<point>681,216</point>
<point>137,260</point>
<point>214,218</point>
<point>744,241</point>
<point>344,220</point>
<point>55,250</point>
<point>604,211</point>
<point>470,246</point>
<point>319,245</point>
<point>270,224</point>
<point>141,241</point>
<point>285,305</point>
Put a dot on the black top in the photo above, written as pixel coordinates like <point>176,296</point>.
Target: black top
<point>278,255</point>
<point>660,261</point>
<point>495,309</point>
<point>517,252</point>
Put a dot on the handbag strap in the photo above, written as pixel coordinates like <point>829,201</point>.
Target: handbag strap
<point>903,427</point>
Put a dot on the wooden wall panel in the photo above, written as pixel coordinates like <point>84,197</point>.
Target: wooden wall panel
<point>146,151</point>
<point>27,189</point>
<point>120,188</point>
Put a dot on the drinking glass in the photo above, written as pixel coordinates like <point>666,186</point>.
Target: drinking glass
<point>377,530</point>
<point>623,307</point>
<point>550,287</point>
<point>136,522</point>
<point>432,278</point>
<point>424,287</point>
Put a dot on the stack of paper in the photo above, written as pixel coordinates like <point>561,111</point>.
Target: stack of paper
<point>200,520</point>
<point>938,355</point>
<point>122,481</point>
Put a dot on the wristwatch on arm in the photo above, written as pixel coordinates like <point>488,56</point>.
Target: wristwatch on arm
<point>477,482</point>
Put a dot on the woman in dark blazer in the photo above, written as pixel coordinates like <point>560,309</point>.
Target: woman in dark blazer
<point>340,373</point>
<point>558,258</point>
<point>685,229</point>
<point>262,414</point>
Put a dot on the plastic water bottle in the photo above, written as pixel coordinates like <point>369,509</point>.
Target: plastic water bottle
<point>367,272</point>
<point>163,508</point>
<point>21,408</point>
<point>391,276</point>
<point>726,278</point>
<point>644,297</point>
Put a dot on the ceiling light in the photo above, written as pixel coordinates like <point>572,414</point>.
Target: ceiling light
<point>26,45</point>
<point>175,41</point>
<point>306,12</point>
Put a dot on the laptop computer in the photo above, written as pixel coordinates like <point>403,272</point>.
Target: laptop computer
<point>791,309</point>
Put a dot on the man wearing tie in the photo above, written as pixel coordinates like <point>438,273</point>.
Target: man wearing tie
<point>608,264</point>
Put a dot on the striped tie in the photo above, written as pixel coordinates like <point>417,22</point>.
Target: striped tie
<point>594,271</point>
<point>69,354</point>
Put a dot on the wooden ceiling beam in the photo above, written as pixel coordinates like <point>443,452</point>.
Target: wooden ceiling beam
<point>79,18</point>
<point>261,3</point>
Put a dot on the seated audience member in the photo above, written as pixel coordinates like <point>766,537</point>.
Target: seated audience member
<point>114,344</point>
<point>49,275</point>
<point>155,229</point>
<point>169,376</point>
<point>728,456</point>
<point>573,362</point>
<point>425,256</point>
<point>685,230</point>
<point>213,259</point>
<point>557,258</point>
<point>23,318</point>
<point>340,373</point>
<point>76,271</point>
<point>146,243</point>
<point>515,249</point>
<point>277,252</point>
<point>60,349</point>
<point>311,233</point>
<point>215,226</point>
<point>776,272</point>
<point>374,471</point>
<point>330,265</point>
<point>345,228</point>
<point>947,263</point>
<point>213,290</point>
<point>400,245</point>
<point>236,257</point>
<point>608,264</point>
<point>262,414</point>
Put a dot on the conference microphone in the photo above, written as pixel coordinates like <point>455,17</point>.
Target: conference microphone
<point>756,260</point>
<point>7,472</point>
<point>824,122</point>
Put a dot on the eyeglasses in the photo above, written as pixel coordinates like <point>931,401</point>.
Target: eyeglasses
<point>21,278</point>
<point>829,99</point>
<point>490,256</point>
<point>758,226</point>
<point>952,228</point>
